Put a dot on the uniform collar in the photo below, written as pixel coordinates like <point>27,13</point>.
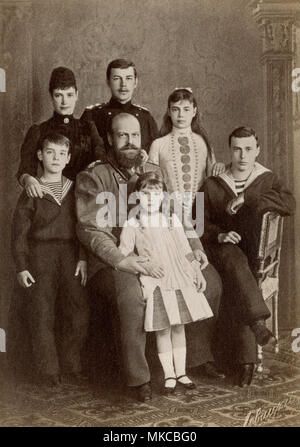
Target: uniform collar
<point>114,103</point>
<point>63,119</point>
<point>227,176</point>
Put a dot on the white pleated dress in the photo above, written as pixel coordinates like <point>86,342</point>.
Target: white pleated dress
<point>173,299</point>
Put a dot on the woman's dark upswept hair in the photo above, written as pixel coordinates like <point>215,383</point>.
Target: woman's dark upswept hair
<point>180,95</point>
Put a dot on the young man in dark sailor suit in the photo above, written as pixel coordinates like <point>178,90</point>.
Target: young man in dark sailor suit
<point>234,203</point>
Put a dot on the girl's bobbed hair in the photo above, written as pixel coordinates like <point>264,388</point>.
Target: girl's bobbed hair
<point>151,178</point>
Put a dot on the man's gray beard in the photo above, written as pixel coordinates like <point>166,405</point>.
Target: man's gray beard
<point>128,163</point>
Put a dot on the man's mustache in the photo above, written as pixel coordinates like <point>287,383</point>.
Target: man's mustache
<point>130,146</point>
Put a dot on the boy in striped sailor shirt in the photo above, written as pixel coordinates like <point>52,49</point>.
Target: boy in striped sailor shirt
<point>51,268</point>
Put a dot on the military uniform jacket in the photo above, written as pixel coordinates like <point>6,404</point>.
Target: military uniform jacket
<point>87,146</point>
<point>100,181</point>
<point>101,114</point>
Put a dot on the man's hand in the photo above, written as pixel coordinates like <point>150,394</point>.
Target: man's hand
<point>199,279</point>
<point>201,257</point>
<point>235,204</point>
<point>218,168</point>
<point>133,264</point>
<point>231,236</point>
<point>32,187</point>
<point>25,279</point>
<point>155,270</point>
<point>81,268</point>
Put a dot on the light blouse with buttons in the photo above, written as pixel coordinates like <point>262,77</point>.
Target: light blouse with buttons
<point>184,159</point>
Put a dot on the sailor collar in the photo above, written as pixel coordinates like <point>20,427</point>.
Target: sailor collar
<point>227,176</point>
<point>66,185</point>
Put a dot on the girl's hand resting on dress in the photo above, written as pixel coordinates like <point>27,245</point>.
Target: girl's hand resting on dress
<point>201,257</point>
<point>199,279</point>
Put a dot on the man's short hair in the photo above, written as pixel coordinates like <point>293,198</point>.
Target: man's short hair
<point>242,132</point>
<point>119,63</point>
<point>56,138</point>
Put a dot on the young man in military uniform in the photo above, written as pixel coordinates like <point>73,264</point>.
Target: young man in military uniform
<point>121,78</point>
<point>86,145</point>
<point>113,277</point>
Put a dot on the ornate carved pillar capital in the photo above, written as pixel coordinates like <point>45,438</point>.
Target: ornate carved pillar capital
<point>277,20</point>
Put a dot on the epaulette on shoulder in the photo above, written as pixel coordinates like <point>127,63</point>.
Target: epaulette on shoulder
<point>94,164</point>
<point>95,106</point>
<point>141,107</point>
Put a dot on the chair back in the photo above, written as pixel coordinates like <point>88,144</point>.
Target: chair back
<point>269,245</point>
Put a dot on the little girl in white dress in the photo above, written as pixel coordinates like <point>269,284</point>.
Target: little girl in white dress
<point>174,293</point>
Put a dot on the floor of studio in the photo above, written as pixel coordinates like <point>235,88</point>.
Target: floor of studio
<point>213,403</point>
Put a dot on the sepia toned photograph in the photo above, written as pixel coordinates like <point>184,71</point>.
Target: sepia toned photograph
<point>150,192</point>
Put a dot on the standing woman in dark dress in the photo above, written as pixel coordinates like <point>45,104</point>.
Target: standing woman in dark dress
<point>87,146</point>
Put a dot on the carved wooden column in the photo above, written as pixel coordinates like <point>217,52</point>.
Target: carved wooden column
<point>16,117</point>
<point>296,130</point>
<point>276,20</point>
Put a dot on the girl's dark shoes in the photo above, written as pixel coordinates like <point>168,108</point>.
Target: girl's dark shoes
<point>169,389</point>
<point>188,385</point>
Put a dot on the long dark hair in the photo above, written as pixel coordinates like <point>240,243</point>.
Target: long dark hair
<point>181,94</point>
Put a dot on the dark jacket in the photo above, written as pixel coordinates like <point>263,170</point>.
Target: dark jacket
<point>101,115</point>
<point>87,146</point>
<point>263,192</point>
<point>43,220</point>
